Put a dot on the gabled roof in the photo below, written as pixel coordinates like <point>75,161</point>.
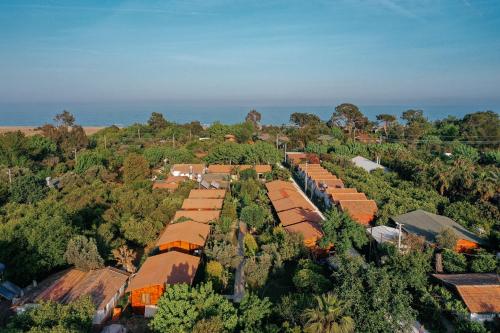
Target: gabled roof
<point>220,168</point>
<point>366,164</point>
<point>263,168</point>
<point>479,291</point>
<point>295,201</point>
<point>189,231</point>
<point>207,194</point>
<point>335,183</point>
<point>202,204</point>
<point>279,185</point>
<point>336,197</point>
<point>161,185</point>
<point>310,230</point>
<point>167,268</point>
<point>101,285</point>
<point>297,215</point>
<point>429,225</point>
<point>184,169</point>
<point>361,211</point>
<point>331,190</point>
<point>202,216</point>
<point>281,194</point>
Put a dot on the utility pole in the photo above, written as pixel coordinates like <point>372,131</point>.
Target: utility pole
<point>105,143</point>
<point>173,140</point>
<point>139,132</point>
<point>277,140</point>
<point>74,151</point>
<point>399,236</point>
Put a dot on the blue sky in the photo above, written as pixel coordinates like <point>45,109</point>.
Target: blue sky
<point>310,52</point>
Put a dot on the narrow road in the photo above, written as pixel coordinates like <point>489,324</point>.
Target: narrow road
<point>239,276</point>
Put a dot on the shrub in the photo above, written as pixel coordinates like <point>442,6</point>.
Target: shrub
<point>82,252</point>
<point>483,263</point>
<point>251,246</point>
<point>454,262</point>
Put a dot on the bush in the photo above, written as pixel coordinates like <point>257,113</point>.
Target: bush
<point>27,189</point>
<point>216,274</point>
<point>483,263</point>
<point>454,262</point>
<point>82,252</point>
<point>251,246</point>
<point>254,216</point>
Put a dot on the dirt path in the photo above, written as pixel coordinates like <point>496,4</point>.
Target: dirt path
<point>239,277</point>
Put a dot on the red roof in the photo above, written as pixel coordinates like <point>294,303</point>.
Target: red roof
<point>167,268</point>
<point>361,211</point>
<point>297,215</point>
<point>189,231</point>
<point>207,194</point>
<point>202,216</point>
<point>310,230</point>
<point>336,197</point>
<point>202,204</point>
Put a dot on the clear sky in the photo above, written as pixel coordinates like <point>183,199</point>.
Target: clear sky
<point>308,52</point>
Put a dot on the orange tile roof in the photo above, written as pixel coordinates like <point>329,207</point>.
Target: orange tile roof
<point>167,268</point>
<point>165,186</point>
<point>361,211</point>
<point>101,285</point>
<point>295,201</point>
<point>336,197</point>
<point>310,230</point>
<point>263,168</point>
<point>207,194</point>
<point>202,204</point>
<point>479,291</point>
<point>335,183</point>
<point>481,299</point>
<point>279,184</point>
<point>186,168</point>
<point>297,215</point>
<point>331,190</point>
<point>205,216</point>
<point>283,193</point>
<point>188,231</point>
<point>220,168</point>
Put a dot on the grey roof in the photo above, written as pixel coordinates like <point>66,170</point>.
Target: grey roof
<point>429,225</point>
<point>383,233</point>
<point>366,164</point>
<point>471,279</point>
<point>9,290</point>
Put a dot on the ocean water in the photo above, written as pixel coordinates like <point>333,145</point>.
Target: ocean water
<point>122,114</point>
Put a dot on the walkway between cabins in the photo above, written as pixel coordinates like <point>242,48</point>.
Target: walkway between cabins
<point>239,276</point>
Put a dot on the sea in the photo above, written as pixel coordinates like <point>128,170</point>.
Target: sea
<point>127,113</point>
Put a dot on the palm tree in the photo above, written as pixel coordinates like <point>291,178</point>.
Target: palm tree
<point>327,316</point>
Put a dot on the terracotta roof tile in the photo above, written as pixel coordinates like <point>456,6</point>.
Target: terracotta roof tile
<point>297,215</point>
<point>336,197</point>
<point>279,185</point>
<point>202,204</point>
<point>331,190</point>
<point>186,168</point>
<point>310,230</point>
<point>167,268</point>
<point>220,168</point>
<point>361,211</point>
<point>188,231</point>
<point>198,215</point>
<point>207,194</point>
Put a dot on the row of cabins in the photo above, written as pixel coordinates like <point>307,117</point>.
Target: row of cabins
<point>332,192</point>
<point>295,213</point>
<point>178,250</point>
<point>215,176</point>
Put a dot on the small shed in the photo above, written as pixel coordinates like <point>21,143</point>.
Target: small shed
<point>366,164</point>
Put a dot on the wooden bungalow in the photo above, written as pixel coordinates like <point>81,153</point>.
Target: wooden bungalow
<point>154,276</point>
<point>187,237</point>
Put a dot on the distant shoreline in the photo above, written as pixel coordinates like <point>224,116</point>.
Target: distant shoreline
<point>31,130</point>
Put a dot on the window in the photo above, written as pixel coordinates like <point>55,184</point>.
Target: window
<point>146,299</point>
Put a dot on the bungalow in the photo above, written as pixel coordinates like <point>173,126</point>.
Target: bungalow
<point>309,230</point>
<point>295,200</point>
<point>202,204</point>
<point>361,211</point>
<point>197,215</point>
<point>207,194</point>
<point>294,158</point>
<point>479,291</point>
<point>336,197</point>
<point>332,190</point>
<point>105,286</point>
<point>154,276</point>
<point>192,171</point>
<point>188,237</point>
<point>298,215</point>
<point>429,225</point>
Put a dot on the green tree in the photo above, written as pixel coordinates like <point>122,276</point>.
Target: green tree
<point>181,307</point>
<point>254,216</point>
<point>257,270</point>
<point>252,311</point>
<point>254,117</point>
<point>82,252</point>
<point>157,121</point>
<point>304,119</point>
<point>135,168</point>
<point>387,120</point>
<point>48,317</point>
<point>27,189</point>
<point>454,262</point>
<point>328,316</point>
<point>65,119</point>
<point>483,262</point>
<point>342,232</point>
<point>216,273</point>
<point>446,239</point>
<point>349,117</point>
<point>481,126</point>
<point>251,246</point>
